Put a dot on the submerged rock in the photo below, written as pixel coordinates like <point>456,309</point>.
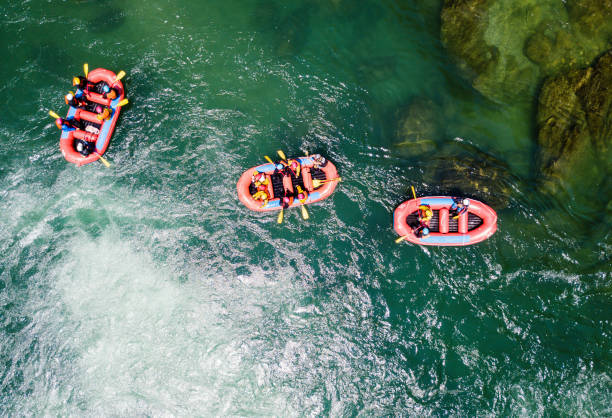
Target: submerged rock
<point>505,48</point>
<point>418,127</point>
<point>575,125</point>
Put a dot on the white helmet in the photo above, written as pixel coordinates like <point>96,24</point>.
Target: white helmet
<point>69,96</point>
<point>465,202</point>
<point>79,146</point>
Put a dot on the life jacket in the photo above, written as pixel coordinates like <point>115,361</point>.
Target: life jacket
<point>262,195</point>
<point>302,195</point>
<point>112,94</point>
<point>259,178</point>
<point>104,114</point>
<point>294,166</point>
<point>65,125</point>
<point>425,213</point>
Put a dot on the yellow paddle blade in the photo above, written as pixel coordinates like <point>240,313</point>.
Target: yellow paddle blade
<point>280,217</point>
<point>269,159</point>
<point>304,213</point>
<point>104,161</point>
<point>54,115</point>
<point>413,193</point>
<point>281,154</point>
<point>400,239</point>
<point>86,69</point>
<point>317,183</point>
<point>123,102</point>
<point>120,75</point>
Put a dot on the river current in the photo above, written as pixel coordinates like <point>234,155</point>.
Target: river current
<point>147,289</point>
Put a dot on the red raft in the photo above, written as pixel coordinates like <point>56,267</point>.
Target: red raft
<point>280,183</point>
<point>95,130</point>
<point>473,226</point>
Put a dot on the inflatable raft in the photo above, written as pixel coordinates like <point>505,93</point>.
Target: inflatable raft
<point>95,130</point>
<point>473,226</point>
<point>280,183</point>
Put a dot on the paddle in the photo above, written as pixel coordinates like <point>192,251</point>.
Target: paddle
<point>269,159</point>
<point>86,69</point>
<point>119,76</point>
<point>280,216</point>
<point>304,213</point>
<point>303,205</point>
<point>281,154</point>
<point>122,102</point>
<point>400,239</point>
<point>104,160</point>
<point>317,183</point>
<point>54,115</point>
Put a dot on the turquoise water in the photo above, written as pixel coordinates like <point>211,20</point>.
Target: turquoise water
<point>148,289</point>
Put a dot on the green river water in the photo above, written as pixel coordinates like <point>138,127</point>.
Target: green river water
<point>147,289</point>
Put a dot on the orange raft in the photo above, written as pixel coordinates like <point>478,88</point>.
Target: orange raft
<point>473,226</point>
<point>96,130</point>
<point>280,183</point>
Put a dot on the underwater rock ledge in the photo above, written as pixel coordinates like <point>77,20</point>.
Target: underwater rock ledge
<point>575,125</point>
<point>506,48</point>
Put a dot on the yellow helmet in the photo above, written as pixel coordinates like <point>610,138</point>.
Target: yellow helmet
<point>76,81</point>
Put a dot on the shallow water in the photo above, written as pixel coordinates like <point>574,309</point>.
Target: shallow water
<point>147,288</point>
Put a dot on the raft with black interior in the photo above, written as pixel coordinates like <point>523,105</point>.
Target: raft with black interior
<point>278,183</point>
<point>96,130</point>
<point>473,226</point>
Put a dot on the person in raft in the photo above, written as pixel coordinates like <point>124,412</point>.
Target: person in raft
<point>68,124</point>
<point>84,147</point>
<point>458,207</point>
<point>72,100</point>
<point>81,83</point>
<point>318,161</point>
<point>259,178</point>
<point>108,93</point>
<point>424,216</point>
<point>289,167</point>
<point>302,195</point>
<point>103,112</point>
<point>260,181</point>
<point>263,196</point>
<point>286,201</point>
<point>294,167</point>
